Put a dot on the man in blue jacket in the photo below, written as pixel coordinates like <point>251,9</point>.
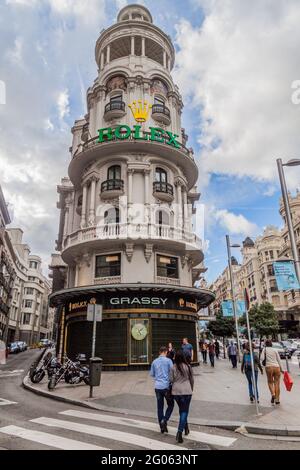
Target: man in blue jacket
<point>160,370</point>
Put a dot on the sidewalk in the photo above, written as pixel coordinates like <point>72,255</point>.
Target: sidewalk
<point>220,398</point>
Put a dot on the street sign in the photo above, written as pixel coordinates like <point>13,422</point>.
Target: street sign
<point>98,312</point>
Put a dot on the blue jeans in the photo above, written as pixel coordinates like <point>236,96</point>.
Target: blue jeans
<point>248,374</point>
<point>183,402</point>
<point>233,359</point>
<point>161,395</point>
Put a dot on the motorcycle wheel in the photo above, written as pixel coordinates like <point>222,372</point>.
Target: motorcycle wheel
<point>86,380</point>
<point>38,377</point>
<point>52,383</point>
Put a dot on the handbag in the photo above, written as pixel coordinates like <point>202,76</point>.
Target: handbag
<point>288,381</point>
<point>265,360</point>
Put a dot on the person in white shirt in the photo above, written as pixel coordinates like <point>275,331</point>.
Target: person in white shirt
<point>272,363</point>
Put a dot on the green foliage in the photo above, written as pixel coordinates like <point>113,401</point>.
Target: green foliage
<point>222,326</point>
<point>263,319</point>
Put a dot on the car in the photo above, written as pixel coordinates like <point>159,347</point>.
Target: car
<point>283,352</point>
<point>45,343</point>
<point>22,345</point>
<point>289,346</point>
<point>14,348</point>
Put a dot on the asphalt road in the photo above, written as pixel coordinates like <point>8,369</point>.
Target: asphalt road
<point>28,421</point>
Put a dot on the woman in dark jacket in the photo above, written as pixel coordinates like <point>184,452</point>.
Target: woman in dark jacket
<point>171,352</point>
<point>182,381</point>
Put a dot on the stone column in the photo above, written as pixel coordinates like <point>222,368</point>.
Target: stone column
<point>185,210</point>
<point>132,45</point>
<point>102,60</point>
<point>190,216</point>
<point>66,223</point>
<point>83,210</point>
<point>147,194</point>
<point>165,59</point>
<point>108,54</point>
<point>143,47</point>
<point>92,201</point>
<point>179,205</point>
<point>130,185</point>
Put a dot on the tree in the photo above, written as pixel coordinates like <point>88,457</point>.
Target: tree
<point>222,326</point>
<point>263,319</point>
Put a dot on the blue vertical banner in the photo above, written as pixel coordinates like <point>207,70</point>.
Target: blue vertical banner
<point>227,308</point>
<point>240,308</point>
<point>285,275</point>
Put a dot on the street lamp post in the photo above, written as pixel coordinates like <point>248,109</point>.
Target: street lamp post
<point>232,292</point>
<point>280,165</point>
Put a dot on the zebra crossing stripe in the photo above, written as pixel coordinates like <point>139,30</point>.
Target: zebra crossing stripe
<point>49,440</point>
<point>133,439</point>
<point>205,438</point>
<point>4,402</point>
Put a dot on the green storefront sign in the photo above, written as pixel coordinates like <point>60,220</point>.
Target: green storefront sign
<point>123,132</point>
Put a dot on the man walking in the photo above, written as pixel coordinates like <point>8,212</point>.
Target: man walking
<point>217,348</point>
<point>232,353</point>
<point>187,349</point>
<point>160,370</point>
<point>211,353</point>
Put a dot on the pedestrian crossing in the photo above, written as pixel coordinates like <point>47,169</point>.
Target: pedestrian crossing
<point>10,373</point>
<point>84,430</point>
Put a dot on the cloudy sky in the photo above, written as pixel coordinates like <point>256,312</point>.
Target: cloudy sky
<point>238,70</point>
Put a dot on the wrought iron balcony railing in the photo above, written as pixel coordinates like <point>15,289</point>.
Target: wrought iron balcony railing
<point>161,109</point>
<point>160,187</point>
<point>115,106</point>
<point>112,185</point>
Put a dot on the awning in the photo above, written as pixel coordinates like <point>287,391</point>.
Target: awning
<point>204,297</point>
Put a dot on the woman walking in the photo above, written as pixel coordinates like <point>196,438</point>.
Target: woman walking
<point>182,382</point>
<point>271,360</point>
<point>171,352</point>
<point>247,368</point>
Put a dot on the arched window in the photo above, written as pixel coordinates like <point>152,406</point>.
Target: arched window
<point>161,175</point>
<point>114,172</point>
<point>162,218</point>
<point>112,216</point>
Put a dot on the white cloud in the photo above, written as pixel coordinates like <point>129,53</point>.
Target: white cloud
<point>15,55</point>
<point>239,67</point>
<point>27,3</point>
<point>235,224</point>
<point>63,104</point>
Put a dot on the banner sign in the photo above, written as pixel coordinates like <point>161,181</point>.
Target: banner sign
<point>285,275</point>
<point>227,308</point>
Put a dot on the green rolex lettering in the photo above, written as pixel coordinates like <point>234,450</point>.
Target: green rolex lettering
<point>157,134</point>
<point>123,132</point>
<point>105,134</point>
<point>137,133</point>
<point>172,140</point>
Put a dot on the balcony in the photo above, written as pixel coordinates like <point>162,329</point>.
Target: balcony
<point>114,110</point>
<point>161,113</point>
<point>163,191</point>
<point>108,233</point>
<point>112,188</point>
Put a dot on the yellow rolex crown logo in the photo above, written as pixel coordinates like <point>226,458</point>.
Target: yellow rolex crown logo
<point>140,110</point>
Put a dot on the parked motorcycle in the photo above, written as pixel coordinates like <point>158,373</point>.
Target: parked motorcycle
<point>38,373</point>
<point>72,372</point>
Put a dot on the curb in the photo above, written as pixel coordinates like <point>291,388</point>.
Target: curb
<point>251,428</point>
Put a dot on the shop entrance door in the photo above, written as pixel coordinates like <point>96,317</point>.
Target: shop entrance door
<point>139,341</point>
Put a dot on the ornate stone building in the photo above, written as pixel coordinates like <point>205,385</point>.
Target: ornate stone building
<point>126,235</point>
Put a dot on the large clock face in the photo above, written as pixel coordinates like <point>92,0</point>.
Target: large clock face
<point>139,331</point>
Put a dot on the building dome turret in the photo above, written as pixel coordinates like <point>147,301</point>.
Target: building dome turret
<point>248,243</point>
<point>135,13</point>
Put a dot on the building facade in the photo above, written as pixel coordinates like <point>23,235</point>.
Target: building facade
<point>256,274</point>
<point>126,236</point>
<point>6,267</point>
